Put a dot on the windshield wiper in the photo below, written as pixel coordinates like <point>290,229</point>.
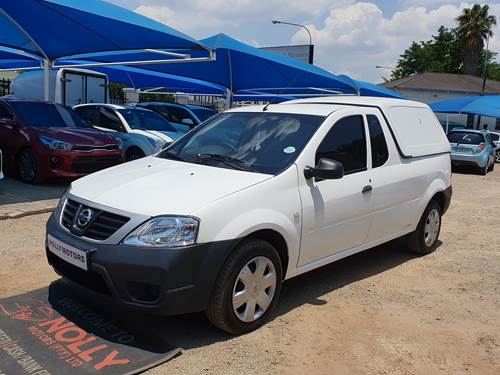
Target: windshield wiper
<point>227,160</point>
<point>170,155</point>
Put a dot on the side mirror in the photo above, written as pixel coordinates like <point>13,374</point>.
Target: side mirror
<point>326,169</point>
<point>7,121</point>
<point>187,121</point>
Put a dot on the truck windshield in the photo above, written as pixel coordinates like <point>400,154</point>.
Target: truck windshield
<point>465,138</point>
<point>45,115</point>
<point>252,141</point>
<point>146,120</point>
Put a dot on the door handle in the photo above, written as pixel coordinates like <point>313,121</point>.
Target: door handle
<point>366,189</point>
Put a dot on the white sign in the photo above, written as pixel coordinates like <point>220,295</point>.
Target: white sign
<point>68,253</point>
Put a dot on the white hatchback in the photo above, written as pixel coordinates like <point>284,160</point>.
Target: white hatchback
<point>255,196</point>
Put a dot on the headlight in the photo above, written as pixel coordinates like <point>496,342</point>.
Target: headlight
<point>55,144</point>
<point>157,143</point>
<point>166,231</point>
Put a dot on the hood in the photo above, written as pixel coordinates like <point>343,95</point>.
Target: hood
<point>152,186</point>
<point>164,136</point>
<point>77,136</point>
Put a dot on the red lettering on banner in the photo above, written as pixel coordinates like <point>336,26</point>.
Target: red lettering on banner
<point>75,347</point>
<point>56,324</point>
<point>85,355</point>
<point>111,361</point>
<point>80,334</point>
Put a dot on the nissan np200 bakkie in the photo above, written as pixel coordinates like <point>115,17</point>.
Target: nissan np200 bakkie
<point>252,197</point>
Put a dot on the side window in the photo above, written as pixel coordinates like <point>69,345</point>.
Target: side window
<point>4,111</point>
<point>177,115</point>
<point>346,143</point>
<point>108,119</point>
<point>89,114</point>
<point>380,153</point>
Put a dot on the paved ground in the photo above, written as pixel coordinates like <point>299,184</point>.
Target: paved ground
<point>384,311</point>
<point>18,199</point>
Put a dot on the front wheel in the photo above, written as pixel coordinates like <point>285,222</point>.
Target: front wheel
<point>134,154</point>
<point>28,167</point>
<point>424,240</point>
<point>247,288</point>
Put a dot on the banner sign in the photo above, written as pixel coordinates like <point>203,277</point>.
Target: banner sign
<point>52,331</point>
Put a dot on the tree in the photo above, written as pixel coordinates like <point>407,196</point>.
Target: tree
<point>474,27</point>
<point>440,54</point>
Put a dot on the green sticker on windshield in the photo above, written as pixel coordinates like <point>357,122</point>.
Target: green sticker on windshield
<point>289,150</point>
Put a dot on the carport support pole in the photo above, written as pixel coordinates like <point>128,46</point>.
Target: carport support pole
<point>47,64</point>
<point>229,96</point>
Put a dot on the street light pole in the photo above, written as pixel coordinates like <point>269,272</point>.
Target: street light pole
<point>311,47</point>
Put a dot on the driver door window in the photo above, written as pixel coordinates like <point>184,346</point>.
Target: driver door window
<point>346,143</point>
<point>108,119</point>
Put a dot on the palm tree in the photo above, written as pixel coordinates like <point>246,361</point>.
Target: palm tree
<point>474,27</point>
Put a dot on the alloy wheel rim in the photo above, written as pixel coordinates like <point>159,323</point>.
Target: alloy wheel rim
<point>28,166</point>
<point>431,228</point>
<point>254,289</point>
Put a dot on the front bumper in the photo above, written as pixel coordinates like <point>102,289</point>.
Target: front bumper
<point>475,160</point>
<point>159,281</point>
<point>77,163</point>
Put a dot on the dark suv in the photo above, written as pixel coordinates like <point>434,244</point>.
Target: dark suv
<point>41,140</point>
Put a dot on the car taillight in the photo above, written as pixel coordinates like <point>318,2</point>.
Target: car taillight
<point>480,147</point>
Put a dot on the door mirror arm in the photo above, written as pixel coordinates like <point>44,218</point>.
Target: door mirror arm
<point>326,169</point>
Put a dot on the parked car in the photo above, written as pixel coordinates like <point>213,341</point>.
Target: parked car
<point>1,166</point>
<point>142,131</point>
<point>473,148</point>
<point>495,137</point>
<point>261,195</point>
<point>182,117</point>
<point>42,140</point>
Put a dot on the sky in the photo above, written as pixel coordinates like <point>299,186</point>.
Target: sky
<point>350,37</point>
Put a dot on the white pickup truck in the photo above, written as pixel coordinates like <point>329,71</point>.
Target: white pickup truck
<point>250,198</point>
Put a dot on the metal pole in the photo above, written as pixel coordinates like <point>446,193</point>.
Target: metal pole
<point>47,64</point>
<point>311,47</point>
<point>229,95</point>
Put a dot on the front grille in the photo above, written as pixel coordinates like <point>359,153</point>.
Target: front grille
<point>88,279</point>
<point>94,148</point>
<point>94,164</point>
<point>102,225</point>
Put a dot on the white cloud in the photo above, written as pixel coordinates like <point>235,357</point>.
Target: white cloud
<point>351,37</point>
<point>357,37</point>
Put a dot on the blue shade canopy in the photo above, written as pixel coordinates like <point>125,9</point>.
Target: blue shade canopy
<point>239,66</point>
<point>56,28</point>
<point>488,105</point>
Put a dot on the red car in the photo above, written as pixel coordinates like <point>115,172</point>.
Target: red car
<point>41,140</point>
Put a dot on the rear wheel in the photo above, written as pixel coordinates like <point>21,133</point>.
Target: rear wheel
<point>497,156</point>
<point>424,240</point>
<point>483,171</point>
<point>28,167</point>
<point>247,288</point>
<point>134,154</point>
<point>492,166</point>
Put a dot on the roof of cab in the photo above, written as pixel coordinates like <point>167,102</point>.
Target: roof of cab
<point>357,100</point>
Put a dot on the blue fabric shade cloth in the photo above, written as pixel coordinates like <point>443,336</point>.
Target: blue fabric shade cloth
<point>488,105</point>
<point>56,28</point>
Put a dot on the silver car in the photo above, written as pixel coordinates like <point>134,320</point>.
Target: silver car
<point>495,137</point>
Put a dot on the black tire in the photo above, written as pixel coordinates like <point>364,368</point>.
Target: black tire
<point>416,241</point>
<point>492,166</point>
<point>134,154</point>
<point>497,157</point>
<point>220,309</point>
<point>483,171</point>
<point>28,167</point>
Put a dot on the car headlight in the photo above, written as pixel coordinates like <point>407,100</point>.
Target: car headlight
<point>165,231</point>
<point>55,144</point>
<point>156,143</point>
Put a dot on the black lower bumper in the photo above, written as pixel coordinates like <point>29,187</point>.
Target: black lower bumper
<point>161,281</point>
<point>447,198</point>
